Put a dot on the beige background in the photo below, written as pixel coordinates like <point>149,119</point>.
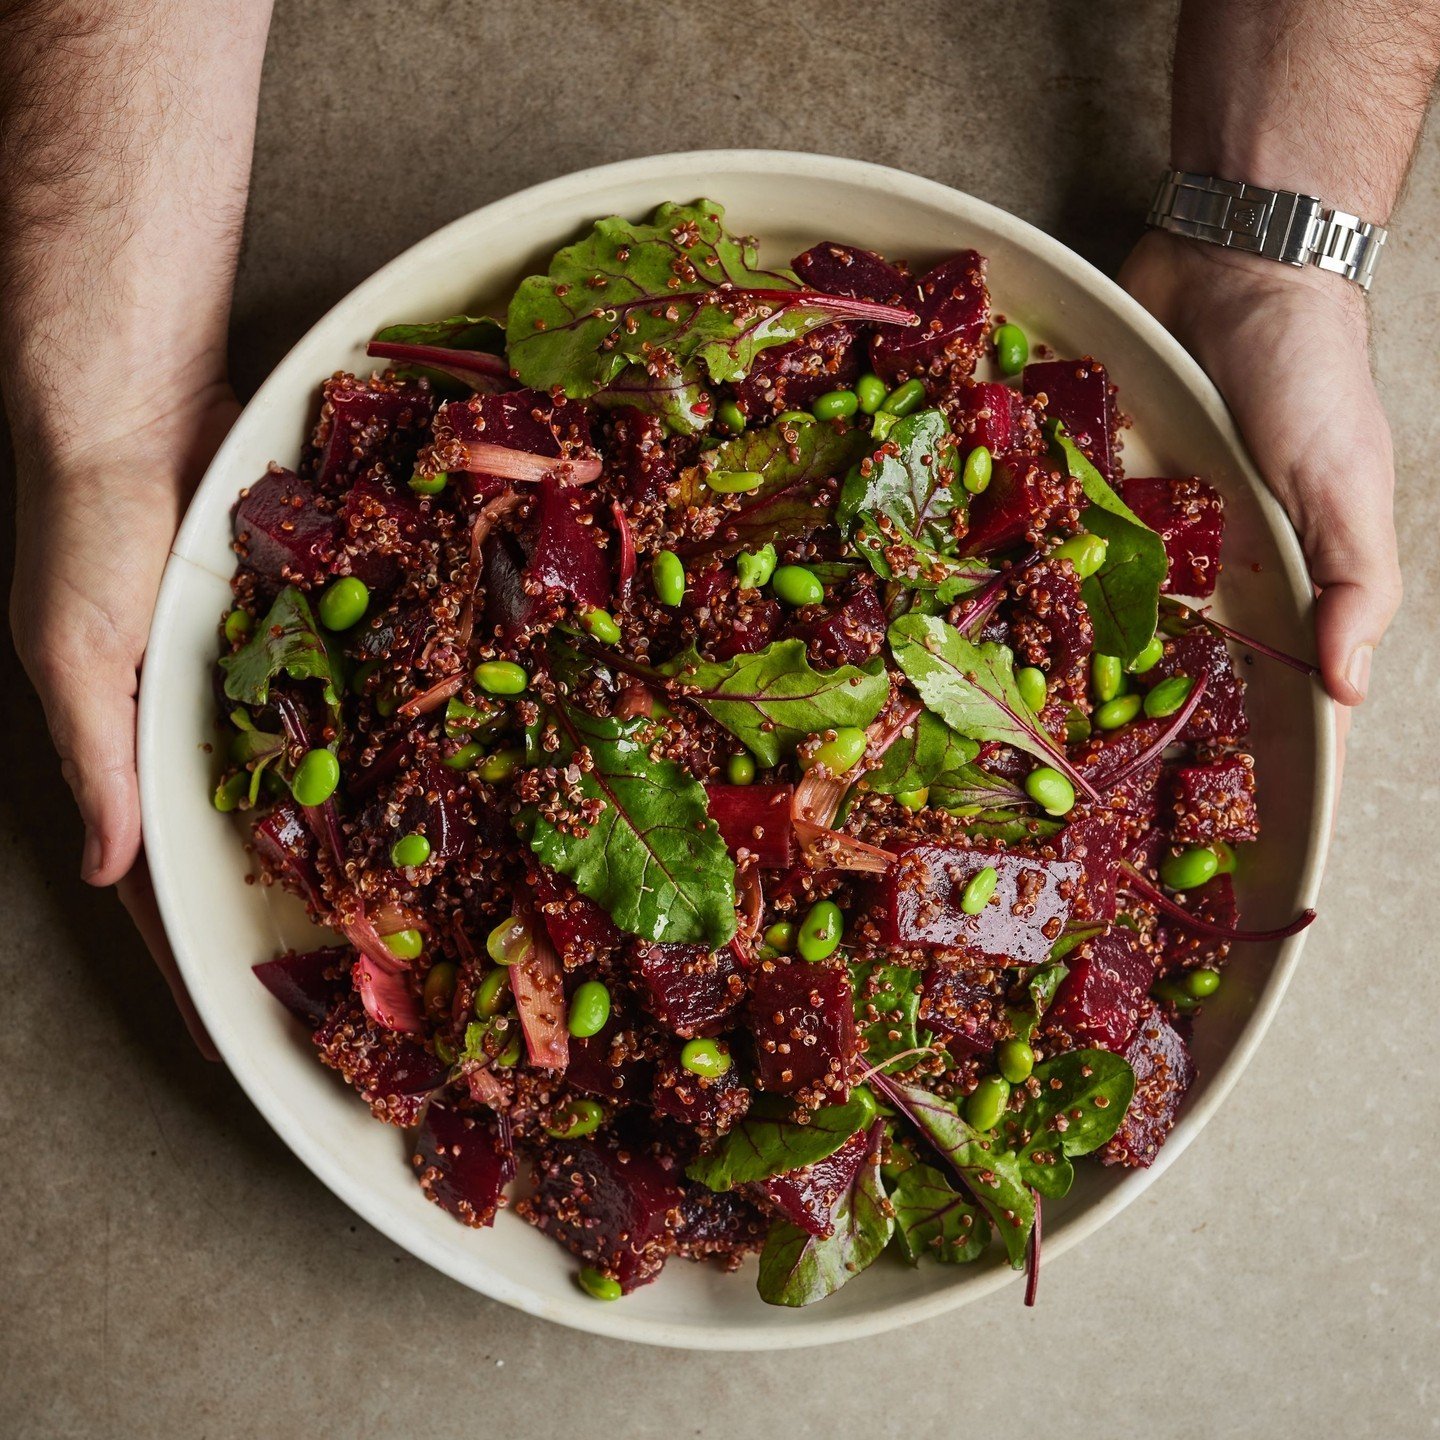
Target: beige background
<point>168,1269</point>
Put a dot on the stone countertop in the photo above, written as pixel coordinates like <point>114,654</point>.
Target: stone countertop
<point>169,1269</point>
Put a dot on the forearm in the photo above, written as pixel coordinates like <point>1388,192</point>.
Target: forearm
<point>1322,96</point>
<point>126,131</point>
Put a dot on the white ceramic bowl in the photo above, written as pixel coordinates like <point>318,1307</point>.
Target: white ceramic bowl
<point>220,926</point>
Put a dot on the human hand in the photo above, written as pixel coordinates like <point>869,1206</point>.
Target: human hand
<point>1288,350</point>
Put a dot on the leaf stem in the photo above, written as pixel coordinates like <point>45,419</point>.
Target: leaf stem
<point>1144,890</point>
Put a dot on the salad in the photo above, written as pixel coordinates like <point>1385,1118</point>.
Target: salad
<point>771,784</point>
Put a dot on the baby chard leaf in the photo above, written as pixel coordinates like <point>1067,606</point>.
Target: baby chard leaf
<point>677,398</point>
<point>887,1005</point>
<point>923,752</point>
<point>288,640</point>
<point>933,1218</point>
<point>761,1145</point>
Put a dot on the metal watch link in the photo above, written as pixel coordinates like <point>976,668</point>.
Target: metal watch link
<point>1278,224</point>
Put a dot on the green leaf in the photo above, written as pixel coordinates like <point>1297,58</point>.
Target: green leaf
<point>479,333</point>
<point>288,640</point>
<point>918,759</point>
<point>891,993</point>
<point>662,295</point>
<point>771,700</point>
<point>933,1218</point>
<point>974,785</point>
<point>1123,596</point>
<point>653,860</point>
<point>1044,981</point>
<point>797,1268</point>
<point>761,1146</point>
<point>678,398</point>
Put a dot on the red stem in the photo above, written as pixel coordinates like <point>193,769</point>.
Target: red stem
<point>1259,646</point>
<point>479,362</point>
<point>1176,725</point>
<point>841,306</point>
<point>1032,1258</point>
<point>1133,880</point>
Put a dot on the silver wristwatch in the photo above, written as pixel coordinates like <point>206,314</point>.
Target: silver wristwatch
<point>1278,224</point>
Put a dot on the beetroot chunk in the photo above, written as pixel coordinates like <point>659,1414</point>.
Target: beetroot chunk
<point>807,1197</point>
<point>568,553</point>
<point>1079,393</point>
<point>308,985</point>
<point>687,988</point>
<point>954,309</point>
<point>1049,624</point>
<point>803,1019</point>
<point>795,375</point>
<point>521,419</point>
<point>1098,1002</point>
<point>613,1205</point>
<point>918,902</point>
<point>579,929</point>
<point>1182,948</point>
<point>1214,802</point>
<point>1220,715</point>
<point>287,852</point>
<point>1189,517</point>
<point>1022,495</point>
<point>964,1003</point>
<point>393,1075</point>
<point>368,423</point>
<point>850,633</point>
<point>385,529</point>
<point>1097,841</point>
<point>612,1064</point>
<point>465,1161</point>
<point>710,1105</point>
<point>281,533</point>
<point>985,412</point>
<point>1164,1073</point>
<point>754,818</point>
<point>637,453</point>
<point>847,270</point>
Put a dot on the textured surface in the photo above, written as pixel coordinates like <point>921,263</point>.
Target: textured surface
<point>170,1270</point>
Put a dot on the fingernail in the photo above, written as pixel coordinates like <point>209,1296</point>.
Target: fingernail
<point>90,860</point>
<point>1358,673</point>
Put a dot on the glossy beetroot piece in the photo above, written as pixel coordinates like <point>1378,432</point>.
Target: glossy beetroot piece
<point>287,853</point>
<point>918,902</point>
<point>1214,802</point>
<point>393,1075</point>
<point>847,270</point>
<point>733,621</point>
<point>309,984</point>
<point>637,453</point>
<point>954,309</point>
<point>724,1226</point>
<point>1079,393</point>
<point>1189,517</point>
<point>708,1105</point>
<point>368,423</point>
<point>1099,1001</point>
<point>1049,624</point>
<point>281,533</point>
<point>755,818</point>
<point>464,1161</point>
<point>521,419</point>
<point>803,1020</point>
<point>613,1205</point>
<point>962,1001</point>
<point>612,1064</point>
<point>689,990</point>
<point>1164,1072</point>
<point>1022,494</point>
<point>1221,713</point>
<point>384,529</point>
<point>794,376</point>
<point>1182,948</point>
<point>568,551</point>
<point>1096,841</point>
<point>850,632</point>
<point>985,412</point>
<point>807,1197</point>
<point>579,929</point>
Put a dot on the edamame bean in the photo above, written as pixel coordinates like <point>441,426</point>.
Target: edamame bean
<point>731,416</point>
<point>429,484</point>
<point>914,799</point>
<point>1050,790</point>
<point>1201,984</point>
<point>589,1010</point>
<point>229,792</point>
<point>979,890</point>
<point>836,405</point>
<point>821,931</point>
<point>405,944</point>
<point>780,936</point>
<point>708,1058</point>
<point>238,625</point>
<point>795,417</point>
<point>492,994</point>
<point>409,851</point>
<point>509,942</point>
<point>842,754</point>
<point>797,586</point>
<point>464,757</point>
<point>1149,657</point>
<point>439,988</point>
<point>1012,349</point>
<point>501,677</point>
<point>870,392</point>
<point>510,1054</point>
<point>1107,677</point>
<point>1030,682</point>
<point>600,625</point>
<point>581,1116</point>
<point>1225,857</point>
<point>458,718</point>
<point>499,766</point>
<point>598,1285</point>
<point>1117,712</point>
<point>904,398</point>
<point>1168,696</point>
<point>976,472</point>
<point>1085,552</point>
<point>740,769</point>
<point>316,777</point>
<point>734,482</point>
<point>1193,866</point>
<point>985,1104</point>
<point>343,603</point>
<point>667,574</point>
<point>444,1051</point>
<point>1015,1060</point>
<point>754,568</point>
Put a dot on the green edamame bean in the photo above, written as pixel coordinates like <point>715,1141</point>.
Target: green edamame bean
<point>795,417</point>
<point>904,398</point>
<point>667,574</point>
<point>1085,552</point>
<point>509,942</point>
<point>343,603</point>
<point>842,754</point>
<point>731,416</point>
<point>1050,790</point>
<point>464,757</point>
<point>976,472</point>
<point>405,944</point>
<point>1107,676</point>
<point>1226,858</point>
<point>780,936</point>
<point>492,993</point>
<point>501,677</point>
<point>510,1054</point>
<point>1012,349</point>
<point>499,766</point>
<point>1149,657</point>
<point>429,484</point>
<point>1117,712</point>
<point>589,1010</point>
<point>1201,984</point>
<point>914,799</point>
<point>734,482</point>
<point>870,392</point>
<point>600,625</point>
<point>316,777</point>
<point>740,769</point>
<point>1015,1060</point>
<point>581,1116</point>
<point>1193,866</point>
<point>979,890</point>
<point>238,625</point>
<point>439,989</point>
<point>709,1058</point>
<point>985,1104</point>
<point>228,793</point>
<point>598,1285</point>
<point>836,405</point>
<point>1030,682</point>
<point>1168,696</point>
<point>754,568</point>
<point>797,586</point>
<point>821,931</point>
<point>444,1051</point>
<point>409,851</point>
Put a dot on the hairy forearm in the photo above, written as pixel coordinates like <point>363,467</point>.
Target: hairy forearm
<point>126,128</point>
<point>1322,96</point>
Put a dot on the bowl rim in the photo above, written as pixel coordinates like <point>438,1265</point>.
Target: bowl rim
<point>613,1322</point>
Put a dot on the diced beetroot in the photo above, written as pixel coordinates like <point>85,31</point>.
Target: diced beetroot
<point>568,549</point>
<point>287,852</point>
<point>365,423</point>
<point>836,269</point>
<point>1079,393</point>
<point>611,1065</point>
<point>396,636</point>
<point>579,929</point>
<point>1182,948</point>
<point>803,1019</point>
<point>755,818</point>
<point>795,375</point>
<point>1107,753</point>
<point>964,1003</point>
<point>725,1225</point>
<point>1022,495</point>
<point>1189,517</point>
<point>732,622</point>
<point>393,1075</point>
<point>385,528</point>
<point>522,419</point>
<point>687,988</point>
<point>1096,840</point>
<point>808,1197</point>
<point>1221,711</point>
<point>954,309</point>
<point>613,1205</point>
<point>439,808</point>
<point>985,412</point>
<point>1049,624</point>
<point>1164,1072</point>
<point>637,452</point>
<point>309,984</point>
<point>1214,802</point>
<point>850,633</point>
<point>281,533</point>
<point>708,1104</point>
<point>509,611</point>
<point>917,901</point>
<point>465,1161</point>
<point>1099,1001</point>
